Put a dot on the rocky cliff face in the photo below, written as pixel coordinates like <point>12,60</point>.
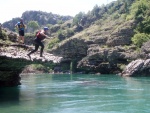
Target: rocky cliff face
<point>9,73</point>
<point>137,68</point>
<point>71,49</point>
<point>121,36</point>
<point>105,51</point>
<point>13,59</point>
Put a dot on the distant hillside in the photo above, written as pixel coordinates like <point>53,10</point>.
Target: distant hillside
<point>42,18</point>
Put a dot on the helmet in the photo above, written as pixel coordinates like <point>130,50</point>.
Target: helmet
<point>46,28</point>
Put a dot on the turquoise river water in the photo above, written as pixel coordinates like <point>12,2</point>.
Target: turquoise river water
<point>47,93</point>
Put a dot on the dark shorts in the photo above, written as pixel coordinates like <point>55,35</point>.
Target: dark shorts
<point>21,33</point>
<point>38,42</point>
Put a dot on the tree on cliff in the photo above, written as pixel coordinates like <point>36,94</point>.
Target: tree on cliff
<point>33,25</point>
<point>140,11</point>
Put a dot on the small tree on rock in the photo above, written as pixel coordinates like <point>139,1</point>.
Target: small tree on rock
<point>32,26</point>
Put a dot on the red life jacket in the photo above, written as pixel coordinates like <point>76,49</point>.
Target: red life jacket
<point>39,36</point>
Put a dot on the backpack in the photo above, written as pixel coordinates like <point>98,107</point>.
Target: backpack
<point>21,26</point>
<point>38,35</point>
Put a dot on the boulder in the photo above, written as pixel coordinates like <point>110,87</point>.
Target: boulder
<point>103,60</point>
<point>137,67</point>
<point>70,49</point>
<point>4,33</point>
<point>12,36</point>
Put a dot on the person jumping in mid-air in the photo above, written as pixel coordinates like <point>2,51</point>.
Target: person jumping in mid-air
<point>20,25</point>
<point>41,35</point>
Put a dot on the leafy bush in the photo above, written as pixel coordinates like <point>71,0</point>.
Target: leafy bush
<point>29,38</point>
<point>77,18</point>
<point>121,66</point>
<point>139,11</point>
<point>33,25</point>
<point>29,35</point>
<point>115,16</point>
<point>53,42</point>
<point>146,25</point>
<point>55,28</point>
<point>3,35</point>
<point>140,38</point>
<point>69,33</point>
<point>38,67</point>
<point>61,35</point>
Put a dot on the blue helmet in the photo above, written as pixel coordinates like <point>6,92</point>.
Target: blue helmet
<point>46,28</point>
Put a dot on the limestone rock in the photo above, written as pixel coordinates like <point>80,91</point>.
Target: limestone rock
<point>137,68</point>
<point>12,36</point>
<point>72,48</point>
<point>122,36</point>
<point>146,47</point>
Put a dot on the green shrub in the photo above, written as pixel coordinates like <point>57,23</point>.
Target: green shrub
<point>29,35</point>
<point>3,35</point>
<point>146,24</point>
<point>121,66</point>
<point>33,25</point>
<point>77,18</point>
<point>69,33</point>
<point>55,28</point>
<point>61,35</point>
<point>140,38</point>
<point>38,67</point>
<point>115,16</point>
<point>53,42</point>
<point>29,38</point>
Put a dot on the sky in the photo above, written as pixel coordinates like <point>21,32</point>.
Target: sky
<point>14,8</point>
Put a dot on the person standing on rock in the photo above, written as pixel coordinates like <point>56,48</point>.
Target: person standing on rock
<point>41,35</point>
<point>21,26</point>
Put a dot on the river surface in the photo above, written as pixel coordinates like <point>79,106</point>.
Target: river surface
<point>48,93</point>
